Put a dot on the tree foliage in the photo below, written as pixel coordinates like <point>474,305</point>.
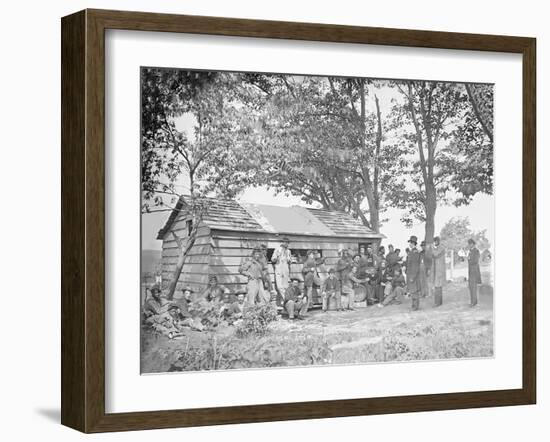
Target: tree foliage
<point>457,231</point>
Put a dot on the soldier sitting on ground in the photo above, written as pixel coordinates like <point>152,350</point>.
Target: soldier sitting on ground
<point>395,288</point>
<point>156,304</point>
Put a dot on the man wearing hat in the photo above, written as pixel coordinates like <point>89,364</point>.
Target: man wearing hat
<point>413,272</point>
<point>214,292</point>
<point>344,264</point>
<point>331,289</point>
<point>253,269</point>
<point>474,272</point>
<point>154,305</point>
<point>282,258</point>
<point>309,270</point>
<point>295,300</point>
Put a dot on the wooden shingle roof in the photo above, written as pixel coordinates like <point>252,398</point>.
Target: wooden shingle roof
<point>245,217</point>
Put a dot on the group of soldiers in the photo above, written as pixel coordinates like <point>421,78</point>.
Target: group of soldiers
<point>385,278</point>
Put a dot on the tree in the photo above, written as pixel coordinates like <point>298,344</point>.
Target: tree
<point>318,139</point>
<point>457,231</point>
<point>206,155</point>
<point>439,116</point>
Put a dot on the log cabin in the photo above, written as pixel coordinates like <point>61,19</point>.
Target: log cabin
<point>229,231</point>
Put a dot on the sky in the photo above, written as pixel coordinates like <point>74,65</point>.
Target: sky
<point>480,211</point>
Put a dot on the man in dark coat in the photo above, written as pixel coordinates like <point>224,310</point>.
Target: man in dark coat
<point>331,288</point>
<point>295,300</point>
<point>413,272</point>
<point>474,273</point>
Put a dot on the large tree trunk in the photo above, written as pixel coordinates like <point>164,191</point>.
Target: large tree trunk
<point>430,207</point>
<point>184,250</point>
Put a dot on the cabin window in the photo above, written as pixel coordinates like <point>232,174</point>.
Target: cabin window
<point>189,225</point>
<point>365,245</point>
<point>300,255</point>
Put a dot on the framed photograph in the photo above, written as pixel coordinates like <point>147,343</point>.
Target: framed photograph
<point>267,221</point>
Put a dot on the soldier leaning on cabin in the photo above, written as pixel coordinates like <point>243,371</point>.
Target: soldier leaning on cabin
<point>253,268</point>
<point>282,258</point>
<point>344,264</point>
<point>413,272</point>
<point>295,300</point>
<point>311,277</point>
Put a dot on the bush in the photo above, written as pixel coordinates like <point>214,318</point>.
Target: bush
<point>256,320</point>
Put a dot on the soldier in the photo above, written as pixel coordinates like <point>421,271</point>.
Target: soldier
<point>474,273</point>
<point>155,305</point>
<point>309,271</point>
<point>331,289</point>
<point>282,258</point>
<point>295,300</point>
<point>253,269</point>
<point>439,271</point>
<point>395,288</point>
<point>214,292</point>
<point>234,310</point>
<point>367,270</point>
<point>425,269</point>
<point>349,282</point>
<point>413,273</point>
<point>344,264</point>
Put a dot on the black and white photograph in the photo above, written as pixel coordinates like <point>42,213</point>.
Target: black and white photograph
<point>293,220</point>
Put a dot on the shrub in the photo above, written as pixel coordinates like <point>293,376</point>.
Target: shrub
<point>256,320</point>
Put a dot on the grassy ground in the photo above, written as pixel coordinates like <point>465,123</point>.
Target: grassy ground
<point>369,334</point>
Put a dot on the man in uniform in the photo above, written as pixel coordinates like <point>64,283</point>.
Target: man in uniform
<point>349,282</point>
<point>214,292</point>
<point>367,270</point>
<point>474,272</point>
<point>413,273</point>
<point>395,288</point>
<point>439,271</point>
<point>309,271</point>
<point>253,269</point>
<point>295,300</point>
<point>282,258</point>
<point>154,305</point>
<point>331,289</point>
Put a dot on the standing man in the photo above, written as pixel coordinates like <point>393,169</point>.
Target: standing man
<point>282,258</point>
<point>294,300</point>
<point>367,270</point>
<point>391,258</point>
<point>439,271</point>
<point>331,289</point>
<point>474,273</point>
<point>344,264</point>
<point>309,271</point>
<point>253,269</point>
<point>413,273</point>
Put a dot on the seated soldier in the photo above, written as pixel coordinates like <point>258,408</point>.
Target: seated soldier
<point>214,292</point>
<point>295,300</point>
<point>331,289</point>
<point>154,305</point>
<point>395,290</point>
<point>349,282</point>
<point>234,310</point>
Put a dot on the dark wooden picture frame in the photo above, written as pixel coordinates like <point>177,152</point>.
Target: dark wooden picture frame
<point>83,220</point>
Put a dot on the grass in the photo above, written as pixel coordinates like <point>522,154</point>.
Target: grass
<point>367,335</point>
